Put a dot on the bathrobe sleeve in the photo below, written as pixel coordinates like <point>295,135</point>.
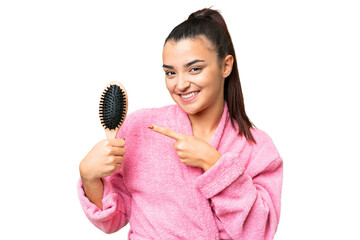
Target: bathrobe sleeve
<point>246,199</point>
<point>116,205</point>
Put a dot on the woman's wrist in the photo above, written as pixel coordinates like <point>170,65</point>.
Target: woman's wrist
<point>91,182</point>
<point>211,160</point>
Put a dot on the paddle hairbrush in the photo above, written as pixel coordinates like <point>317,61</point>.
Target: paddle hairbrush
<point>113,108</point>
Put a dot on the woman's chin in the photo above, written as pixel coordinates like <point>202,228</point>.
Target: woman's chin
<point>190,110</point>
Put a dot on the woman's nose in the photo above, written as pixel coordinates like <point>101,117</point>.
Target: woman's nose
<point>182,83</point>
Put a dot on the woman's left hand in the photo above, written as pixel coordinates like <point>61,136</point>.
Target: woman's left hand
<point>191,150</point>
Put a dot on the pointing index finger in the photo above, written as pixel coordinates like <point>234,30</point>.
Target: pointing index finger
<point>166,131</point>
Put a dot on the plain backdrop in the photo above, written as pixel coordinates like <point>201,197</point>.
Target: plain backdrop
<point>299,68</point>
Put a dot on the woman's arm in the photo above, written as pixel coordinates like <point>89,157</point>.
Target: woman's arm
<point>102,192</point>
<point>94,191</point>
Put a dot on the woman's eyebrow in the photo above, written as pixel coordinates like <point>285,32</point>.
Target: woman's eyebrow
<point>167,66</point>
<point>185,65</point>
<point>193,62</point>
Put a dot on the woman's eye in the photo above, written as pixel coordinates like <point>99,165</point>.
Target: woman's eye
<point>195,69</point>
<point>169,73</point>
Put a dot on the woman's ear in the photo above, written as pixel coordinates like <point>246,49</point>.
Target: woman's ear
<point>227,65</point>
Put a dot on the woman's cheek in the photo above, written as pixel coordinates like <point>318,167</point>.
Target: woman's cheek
<point>169,86</point>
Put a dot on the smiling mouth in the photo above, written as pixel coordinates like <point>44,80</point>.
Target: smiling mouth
<point>189,95</point>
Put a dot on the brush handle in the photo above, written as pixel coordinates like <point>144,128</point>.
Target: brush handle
<point>111,134</point>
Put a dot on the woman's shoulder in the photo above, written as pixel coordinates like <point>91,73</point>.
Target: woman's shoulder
<point>260,135</point>
<point>264,143</point>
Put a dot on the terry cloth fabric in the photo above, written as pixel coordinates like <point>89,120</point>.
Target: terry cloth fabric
<point>162,198</point>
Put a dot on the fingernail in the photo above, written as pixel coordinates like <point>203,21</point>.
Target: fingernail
<point>151,126</point>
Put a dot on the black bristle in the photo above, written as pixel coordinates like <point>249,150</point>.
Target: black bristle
<point>112,107</point>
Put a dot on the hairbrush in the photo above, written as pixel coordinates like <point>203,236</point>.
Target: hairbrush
<point>113,108</point>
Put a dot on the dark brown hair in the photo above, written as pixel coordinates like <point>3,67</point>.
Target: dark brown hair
<point>211,24</point>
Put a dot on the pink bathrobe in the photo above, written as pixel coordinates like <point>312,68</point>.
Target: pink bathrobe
<point>162,198</point>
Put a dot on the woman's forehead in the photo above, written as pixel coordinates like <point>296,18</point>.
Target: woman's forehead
<point>188,48</point>
<point>197,40</point>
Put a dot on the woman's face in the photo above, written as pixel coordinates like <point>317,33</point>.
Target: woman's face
<point>194,76</point>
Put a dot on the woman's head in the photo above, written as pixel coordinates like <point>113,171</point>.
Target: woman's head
<point>194,76</point>
<point>204,38</point>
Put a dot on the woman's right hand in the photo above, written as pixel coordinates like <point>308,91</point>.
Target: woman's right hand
<point>105,158</point>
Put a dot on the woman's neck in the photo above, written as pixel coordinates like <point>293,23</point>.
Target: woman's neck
<point>205,122</point>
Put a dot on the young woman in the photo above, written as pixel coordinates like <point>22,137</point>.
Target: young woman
<point>194,170</point>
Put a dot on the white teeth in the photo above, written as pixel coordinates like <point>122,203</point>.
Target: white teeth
<point>189,95</point>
